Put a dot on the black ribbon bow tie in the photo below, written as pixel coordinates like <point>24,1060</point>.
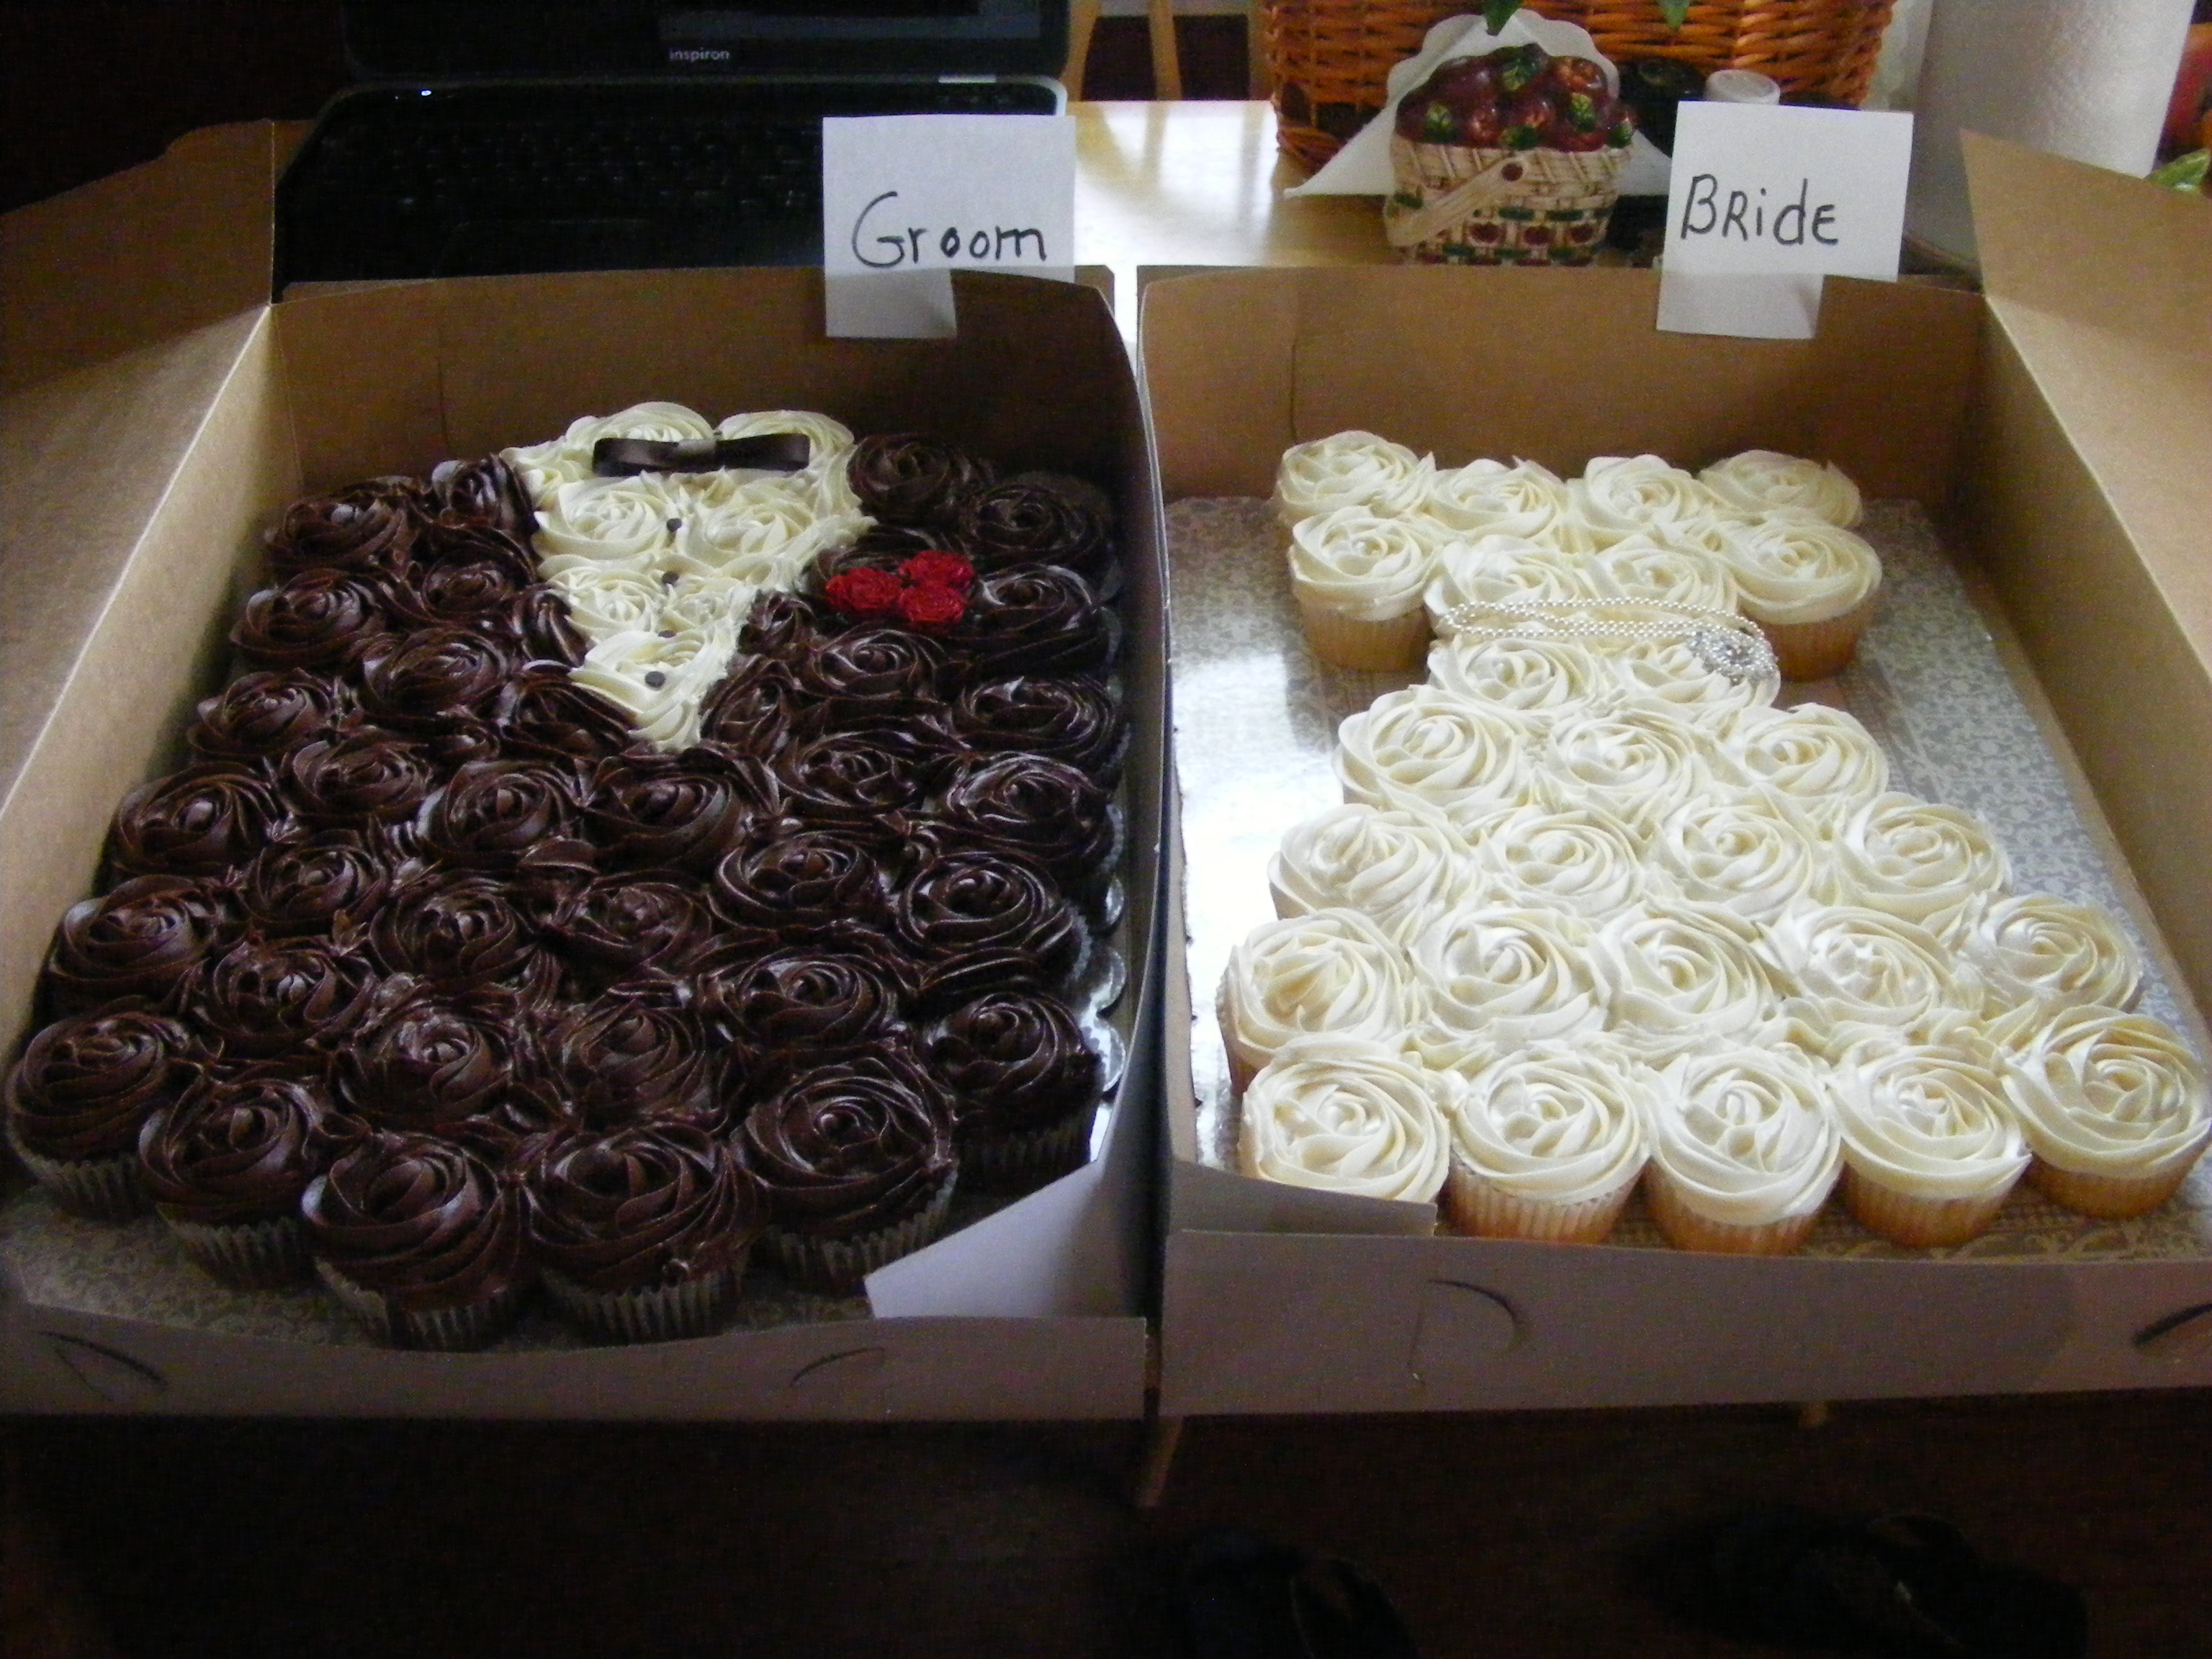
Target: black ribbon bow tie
<point>766,452</point>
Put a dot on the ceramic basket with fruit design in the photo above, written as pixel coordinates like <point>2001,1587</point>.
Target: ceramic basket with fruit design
<point>1511,158</point>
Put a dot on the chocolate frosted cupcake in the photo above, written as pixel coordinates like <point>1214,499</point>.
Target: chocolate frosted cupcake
<point>617,926</point>
<point>846,782</point>
<point>543,714</point>
<point>478,576</point>
<point>784,626</point>
<point>264,998</point>
<point>140,938</point>
<point>677,812</point>
<point>368,527</point>
<point>804,885</point>
<point>421,1239</point>
<point>986,921</point>
<point>226,1165</point>
<point>544,627</point>
<point>1073,718</point>
<point>461,932</point>
<point>435,681</point>
<point>206,820</point>
<point>758,710</point>
<point>871,676</point>
<point>903,478</point>
<point>490,813</point>
<point>362,776</point>
<point>260,716</point>
<point>422,1060</point>
<point>1030,521</point>
<point>81,1093</point>
<point>634,1054</point>
<point>798,1004</point>
<point>323,618</point>
<point>1035,619</point>
<point>302,888</point>
<point>642,1234</point>
<point>1024,1085</point>
<point>856,1159</point>
<point>484,491</point>
<point>1034,805</point>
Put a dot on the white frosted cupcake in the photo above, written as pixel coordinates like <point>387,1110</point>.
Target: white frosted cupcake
<point>1810,586</point>
<point>1763,480</point>
<point>1639,569</point>
<point>1489,498</point>
<point>616,597</point>
<point>656,422</point>
<point>1931,1149</point>
<point>1350,468</point>
<point>1359,578</point>
<point>1744,1151</point>
<point>1681,677</point>
<point>1636,763</point>
<point>1483,975</point>
<point>767,535</point>
<point>1493,569</point>
<point>601,521</point>
<point>2032,949</point>
<point>1547,1142</point>
<point>1333,971</point>
<point>1849,973</point>
<point>1925,862</point>
<point>658,682</point>
<point>1679,974</point>
<point>1820,760</point>
<point>1537,681</point>
<point>1342,1115</point>
<point>1393,866</point>
<point>1425,749</point>
<point>1577,860</point>
<point>2114,1106</point>
<point>829,442</point>
<point>1747,852</point>
<point>1618,496</point>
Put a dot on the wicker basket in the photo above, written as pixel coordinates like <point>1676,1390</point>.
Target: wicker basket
<point>1329,58</point>
<point>1455,206</point>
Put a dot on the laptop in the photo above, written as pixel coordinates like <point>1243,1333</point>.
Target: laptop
<point>496,136</point>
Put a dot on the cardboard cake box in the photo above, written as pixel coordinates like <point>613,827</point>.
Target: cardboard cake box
<point>2053,430</point>
<point>141,469</point>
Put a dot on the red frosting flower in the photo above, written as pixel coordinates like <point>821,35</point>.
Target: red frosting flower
<point>866,593</point>
<point>936,570</point>
<point>931,607</point>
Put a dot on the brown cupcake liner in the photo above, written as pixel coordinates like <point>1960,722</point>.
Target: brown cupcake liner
<point>1919,1223</point>
<point>2108,1198</point>
<point>1030,1158</point>
<point>111,1188</point>
<point>438,1330</point>
<point>1686,1228</point>
<point>247,1255</point>
<point>652,1313</point>
<point>835,1267</point>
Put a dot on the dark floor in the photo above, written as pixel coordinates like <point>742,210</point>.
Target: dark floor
<point>1506,1536</point>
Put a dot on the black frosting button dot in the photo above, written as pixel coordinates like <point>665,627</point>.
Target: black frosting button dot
<point>675,525</point>
<point>656,679</point>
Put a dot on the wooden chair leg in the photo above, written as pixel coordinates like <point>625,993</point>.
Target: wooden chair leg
<point>1082,20</point>
<point>1167,62</point>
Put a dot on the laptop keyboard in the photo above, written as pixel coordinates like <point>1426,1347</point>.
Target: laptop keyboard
<point>491,181</point>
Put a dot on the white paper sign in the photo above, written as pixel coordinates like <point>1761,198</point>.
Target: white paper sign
<point>1764,201</point>
<point>907,199</point>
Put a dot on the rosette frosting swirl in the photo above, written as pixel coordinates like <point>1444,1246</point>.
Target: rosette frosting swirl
<point>2034,948</point>
<point>1033,805</point>
<point>424,1222</point>
<point>1763,480</point>
<point>1928,1120</point>
<point>2102,1092</point>
<point>1552,1122</point>
<point>300,889</point>
<point>84,1084</point>
<point>1925,862</point>
<point>1347,1116</point>
<point>649,1206</point>
<point>787,1007</point>
<point>1351,469</point>
<point>669,812</point>
<point>1580,859</point>
<point>460,933</point>
<point>904,478</point>
<point>1035,619</point>
<point>357,777</point>
<point>633,1054</point>
<point>1745,1134</point>
<point>980,921</point>
<point>1819,759</point>
<point>617,925</point>
<point>1492,974</point>
<point>1541,681</point>
<point>260,715</point>
<point>805,884</point>
<point>203,820</point>
<point>487,491</point>
<point>264,998</point>
<point>850,1148</point>
<point>490,813</point>
<point>1332,971</point>
<point>1025,521</point>
<point>140,938</point>
<point>1395,866</point>
<point>1014,1061</point>
<point>1424,749</point>
<point>238,1149</point>
<point>424,1058</point>
<point>324,618</point>
<point>369,526</point>
<point>1071,717</point>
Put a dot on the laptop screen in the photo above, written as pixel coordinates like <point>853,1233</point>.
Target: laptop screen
<point>435,40</point>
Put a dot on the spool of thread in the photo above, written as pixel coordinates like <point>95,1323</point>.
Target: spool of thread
<point>2090,82</point>
<point>1738,86</point>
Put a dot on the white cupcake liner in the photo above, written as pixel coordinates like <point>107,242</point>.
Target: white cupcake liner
<point>1476,1205</point>
<point>651,1313</point>
<point>1686,1228</point>
<point>1818,650</point>
<point>247,1255</point>
<point>111,1188</point>
<point>1920,1223</point>
<point>2108,1197</point>
<point>1013,1162</point>
<point>835,1267</point>
<point>439,1330</point>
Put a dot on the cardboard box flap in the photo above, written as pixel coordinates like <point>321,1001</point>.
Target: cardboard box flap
<point>141,257</point>
<point>2103,283</point>
<point>1364,348</point>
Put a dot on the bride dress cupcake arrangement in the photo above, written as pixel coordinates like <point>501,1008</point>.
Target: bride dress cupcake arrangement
<point>1594,913</point>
